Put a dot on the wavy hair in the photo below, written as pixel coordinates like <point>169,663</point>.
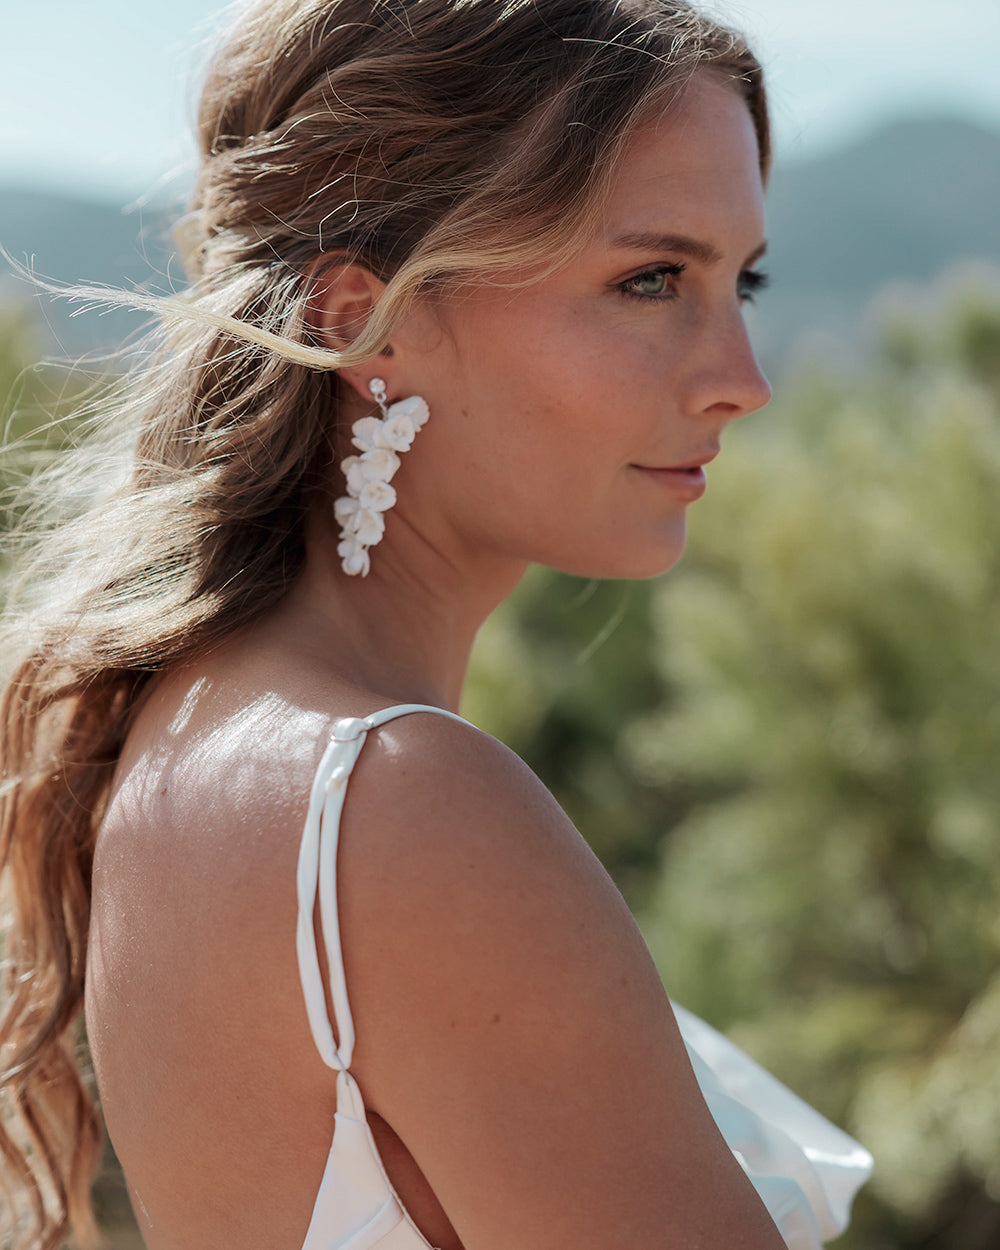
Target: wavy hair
<point>437,142</point>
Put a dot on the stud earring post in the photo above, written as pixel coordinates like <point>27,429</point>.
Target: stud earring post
<point>378,392</point>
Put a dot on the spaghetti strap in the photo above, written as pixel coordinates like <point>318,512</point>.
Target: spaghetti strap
<point>804,1169</point>
<point>317,877</point>
<point>356,1207</point>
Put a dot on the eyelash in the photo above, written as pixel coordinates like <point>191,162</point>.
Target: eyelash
<point>751,283</point>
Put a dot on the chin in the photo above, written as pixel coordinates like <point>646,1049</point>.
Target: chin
<point>644,572</point>
<point>636,563</point>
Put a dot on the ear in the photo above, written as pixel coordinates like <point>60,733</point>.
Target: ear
<point>341,302</point>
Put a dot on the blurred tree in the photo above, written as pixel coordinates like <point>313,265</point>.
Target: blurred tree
<point>557,671</point>
<point>39,411</point>
<point>19,414</point>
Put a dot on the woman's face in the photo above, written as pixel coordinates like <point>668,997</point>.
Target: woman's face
<point>570,418</point>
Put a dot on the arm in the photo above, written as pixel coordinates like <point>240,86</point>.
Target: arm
<point>511,1026</point>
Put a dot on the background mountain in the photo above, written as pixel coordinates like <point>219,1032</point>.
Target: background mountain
<point>63,239</point>
<point>900,207</point>
<point>896,210</point>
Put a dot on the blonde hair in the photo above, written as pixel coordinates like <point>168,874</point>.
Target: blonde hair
<point>437,142</point>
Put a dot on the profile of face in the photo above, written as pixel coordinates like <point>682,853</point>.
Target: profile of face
<point>572,416</point>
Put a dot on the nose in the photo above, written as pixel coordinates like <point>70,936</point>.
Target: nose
<point>728,382</point>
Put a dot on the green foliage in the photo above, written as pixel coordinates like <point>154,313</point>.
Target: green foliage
<point>41,409</point>
<point>20,421</point>
<point>26,392</point>
<point>557,671</point>
<point>822,674</point>
<point>19,417</point>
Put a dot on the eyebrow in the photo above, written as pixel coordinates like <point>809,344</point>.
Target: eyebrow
<point>698,250</point>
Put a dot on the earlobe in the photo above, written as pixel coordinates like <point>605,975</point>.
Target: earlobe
<point>341,302</point>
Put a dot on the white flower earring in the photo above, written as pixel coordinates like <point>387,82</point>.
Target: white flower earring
<point>361,512</point>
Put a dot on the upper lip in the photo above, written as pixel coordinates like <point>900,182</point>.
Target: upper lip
<point>696,462</point>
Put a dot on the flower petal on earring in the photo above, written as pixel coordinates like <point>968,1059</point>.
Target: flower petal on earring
<point>414,407</point>
<point>354,557</point>
<point>368,526</point>
<point>398,431</point>
<point>344,509</point>
<point>355,474</point>
<point>366,433</point>
<point>377,497</point>
<point>379,465</point>
<point>361,512</point>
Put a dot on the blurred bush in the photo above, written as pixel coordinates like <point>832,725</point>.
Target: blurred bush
<point>40,406</point>
<point>20,416</point>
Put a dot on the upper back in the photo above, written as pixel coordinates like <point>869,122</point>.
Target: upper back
<point>209,1080</point>
<point>497,983</point>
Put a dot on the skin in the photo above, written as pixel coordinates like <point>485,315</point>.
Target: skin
<point>519,1059</point>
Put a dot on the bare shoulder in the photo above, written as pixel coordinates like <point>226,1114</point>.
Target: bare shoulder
<point>479,886</point>
<point>457,825</point>
<point>506,1010</point>
<point>462,792</point>
<point>509,1022</point>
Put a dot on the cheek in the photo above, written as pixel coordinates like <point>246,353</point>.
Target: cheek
<point>616,367</point>
<point>561,383</point>
<point>546,402</point>
<point>519,384</point>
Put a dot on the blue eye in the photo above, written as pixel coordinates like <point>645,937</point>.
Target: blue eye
<point>653,283</point>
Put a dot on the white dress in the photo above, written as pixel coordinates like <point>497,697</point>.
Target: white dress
<point>805,1170</point>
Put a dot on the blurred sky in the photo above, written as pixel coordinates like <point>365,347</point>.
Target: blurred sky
<point>96,95</point>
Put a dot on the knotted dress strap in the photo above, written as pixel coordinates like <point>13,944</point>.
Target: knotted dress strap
<point>317,877</point>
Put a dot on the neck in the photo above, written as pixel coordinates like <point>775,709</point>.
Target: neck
<point>405,632</point>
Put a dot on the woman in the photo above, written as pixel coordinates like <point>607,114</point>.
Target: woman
<point>466,293</point>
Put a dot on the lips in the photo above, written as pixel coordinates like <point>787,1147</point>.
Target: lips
<point>696,462</point>
<point>685,481</point>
